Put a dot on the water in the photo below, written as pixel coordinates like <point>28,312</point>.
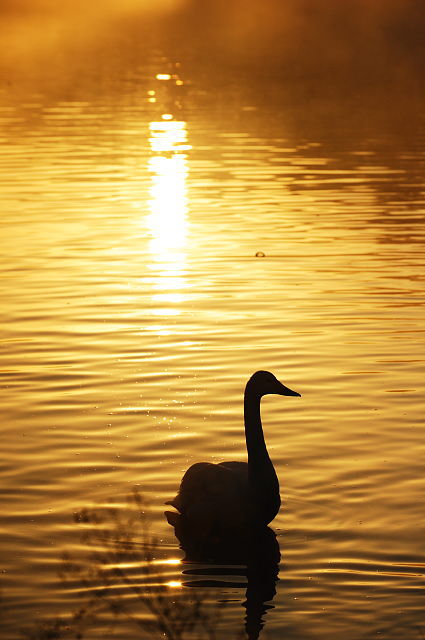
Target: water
<point>161,241</point>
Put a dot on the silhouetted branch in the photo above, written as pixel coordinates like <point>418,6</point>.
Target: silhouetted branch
<point>115,541</point>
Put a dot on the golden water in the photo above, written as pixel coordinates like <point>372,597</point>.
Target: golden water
<point>160,243</point>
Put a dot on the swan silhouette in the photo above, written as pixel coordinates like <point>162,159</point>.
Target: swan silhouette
<point>217,500</point>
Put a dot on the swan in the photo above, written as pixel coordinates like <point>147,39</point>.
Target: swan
<point>216,500</point>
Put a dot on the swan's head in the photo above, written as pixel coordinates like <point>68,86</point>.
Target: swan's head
<point>264,382</point>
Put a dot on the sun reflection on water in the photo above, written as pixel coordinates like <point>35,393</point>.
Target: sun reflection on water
<point>174,583</point>
<point>168,206</point>
<point>170,561</point>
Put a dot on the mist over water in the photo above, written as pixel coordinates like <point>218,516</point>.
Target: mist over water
<point>187,197</point>
<point>340,47</point>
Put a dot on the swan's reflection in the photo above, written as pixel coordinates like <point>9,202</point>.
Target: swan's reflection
<point>254,555</point>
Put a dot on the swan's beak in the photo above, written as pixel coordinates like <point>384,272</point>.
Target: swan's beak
<point>285,391</point>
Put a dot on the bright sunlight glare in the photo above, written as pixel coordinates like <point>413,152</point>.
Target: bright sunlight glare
<point>168,205</point>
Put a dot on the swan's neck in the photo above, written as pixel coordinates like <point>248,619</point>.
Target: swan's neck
<point>255,443</point>
<point>263,484</point>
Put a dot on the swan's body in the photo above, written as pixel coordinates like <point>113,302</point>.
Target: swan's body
<point>217,499</point>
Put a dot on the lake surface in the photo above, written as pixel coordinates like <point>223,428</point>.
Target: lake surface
<point>163,238</point>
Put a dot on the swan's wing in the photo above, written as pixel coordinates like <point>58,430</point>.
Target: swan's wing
<point>240,468</point>
<point>191,484</point>
<point>175,502</point>
<point>213,496</point>
<point>173,517</point>
<point>212,480</point>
